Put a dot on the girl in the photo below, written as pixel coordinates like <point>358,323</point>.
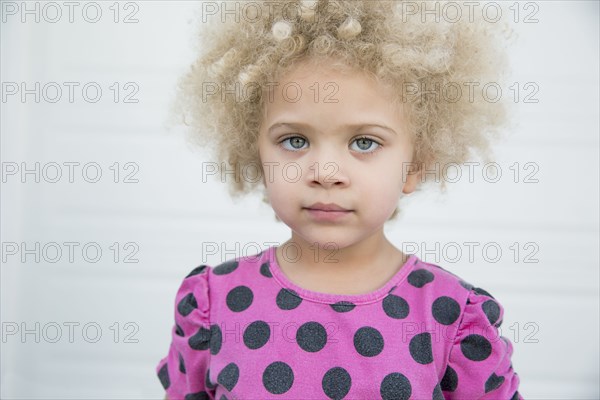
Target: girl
<point>341,106</point>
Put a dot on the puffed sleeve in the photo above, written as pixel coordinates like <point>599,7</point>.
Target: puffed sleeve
<point>479,365</point>
<point>183,373</point>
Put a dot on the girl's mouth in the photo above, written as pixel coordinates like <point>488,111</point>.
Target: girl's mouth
<point>327,207</point>
<point>327,215</point>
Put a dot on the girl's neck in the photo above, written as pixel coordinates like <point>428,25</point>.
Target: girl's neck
<point>356,269</point>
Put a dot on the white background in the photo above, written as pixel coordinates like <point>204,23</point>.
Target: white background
<point>170,215</point>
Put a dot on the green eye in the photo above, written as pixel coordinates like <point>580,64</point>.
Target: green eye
<point>364,145</point>
<point>293,143</point>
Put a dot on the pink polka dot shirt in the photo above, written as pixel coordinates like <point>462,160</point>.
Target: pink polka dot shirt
<point>243,330</point>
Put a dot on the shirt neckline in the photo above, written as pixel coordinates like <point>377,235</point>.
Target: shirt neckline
<point>330,298</point>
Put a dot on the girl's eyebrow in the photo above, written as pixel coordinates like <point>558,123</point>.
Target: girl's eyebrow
<point>347,126</point>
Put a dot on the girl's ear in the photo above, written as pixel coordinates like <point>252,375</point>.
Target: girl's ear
<point>412,181</point>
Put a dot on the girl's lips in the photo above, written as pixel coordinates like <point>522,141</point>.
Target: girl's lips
<point>324,215</point>
<point>327,207</point>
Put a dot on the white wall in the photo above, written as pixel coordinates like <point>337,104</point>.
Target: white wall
<point>552,305</point>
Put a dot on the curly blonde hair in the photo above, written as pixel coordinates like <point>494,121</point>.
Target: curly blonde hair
<point>419,58</point>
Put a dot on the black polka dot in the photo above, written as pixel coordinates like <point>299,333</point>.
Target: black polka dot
<point>437,393</point>
<point>197,396</point>
<point>226,268</point>
<point>395,386</point>
<point>450,380</point>
<point>201,340</point>
<point>336,383</point>
<point>466,285</point>
<point>392,289</point>
<point>311,336</point>
<point>181,364</point>
<point>187,305</point>
<point>445,310</point>
<point>420,277</point>
<point>229,376</point>
<point>499,323</point>
<point>216,339</point>
<point>288,299</point>
<point>163,376</point>
<point>515,396</point>
<point>493,382</point>
<point>178,330</point>
<point>343,306</point>
<point>207,382</point>
<point>239,298</point>
<point>476,347</point>
<point>420,348</point>
<point>278,377</point>
<point>491,310</point>
<point>257,334</point>
<point>223,397</point>
<point>197,270</point>
<point>265,271</point>
<point>368,341</point>
<point>395,306</point>
<point>483,292</point>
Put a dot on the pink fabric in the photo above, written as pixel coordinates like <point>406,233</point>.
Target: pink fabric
<point>244,331</point>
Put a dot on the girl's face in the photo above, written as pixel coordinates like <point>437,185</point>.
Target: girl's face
<point>334,138</point>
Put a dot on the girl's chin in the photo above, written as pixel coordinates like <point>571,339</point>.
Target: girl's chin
<point>324,241</point>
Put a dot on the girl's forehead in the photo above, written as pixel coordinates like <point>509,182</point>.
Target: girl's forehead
<point>355,105</point>
<point>325,72</point>
<point>320,67</point>
<point>331,76</point>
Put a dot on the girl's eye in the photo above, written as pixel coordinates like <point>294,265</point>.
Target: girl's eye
<point>294,143</point>
<point>364,145</point>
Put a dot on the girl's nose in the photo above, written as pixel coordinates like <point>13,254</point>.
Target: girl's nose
<point>327,173</point>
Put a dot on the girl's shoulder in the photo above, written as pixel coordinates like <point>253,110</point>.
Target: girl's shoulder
<point>230,265</point>
<point>448,288</point>
<point>230,273</point>
<point>436,277</point>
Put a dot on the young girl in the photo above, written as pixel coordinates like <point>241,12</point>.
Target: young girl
<point>342,107</point>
